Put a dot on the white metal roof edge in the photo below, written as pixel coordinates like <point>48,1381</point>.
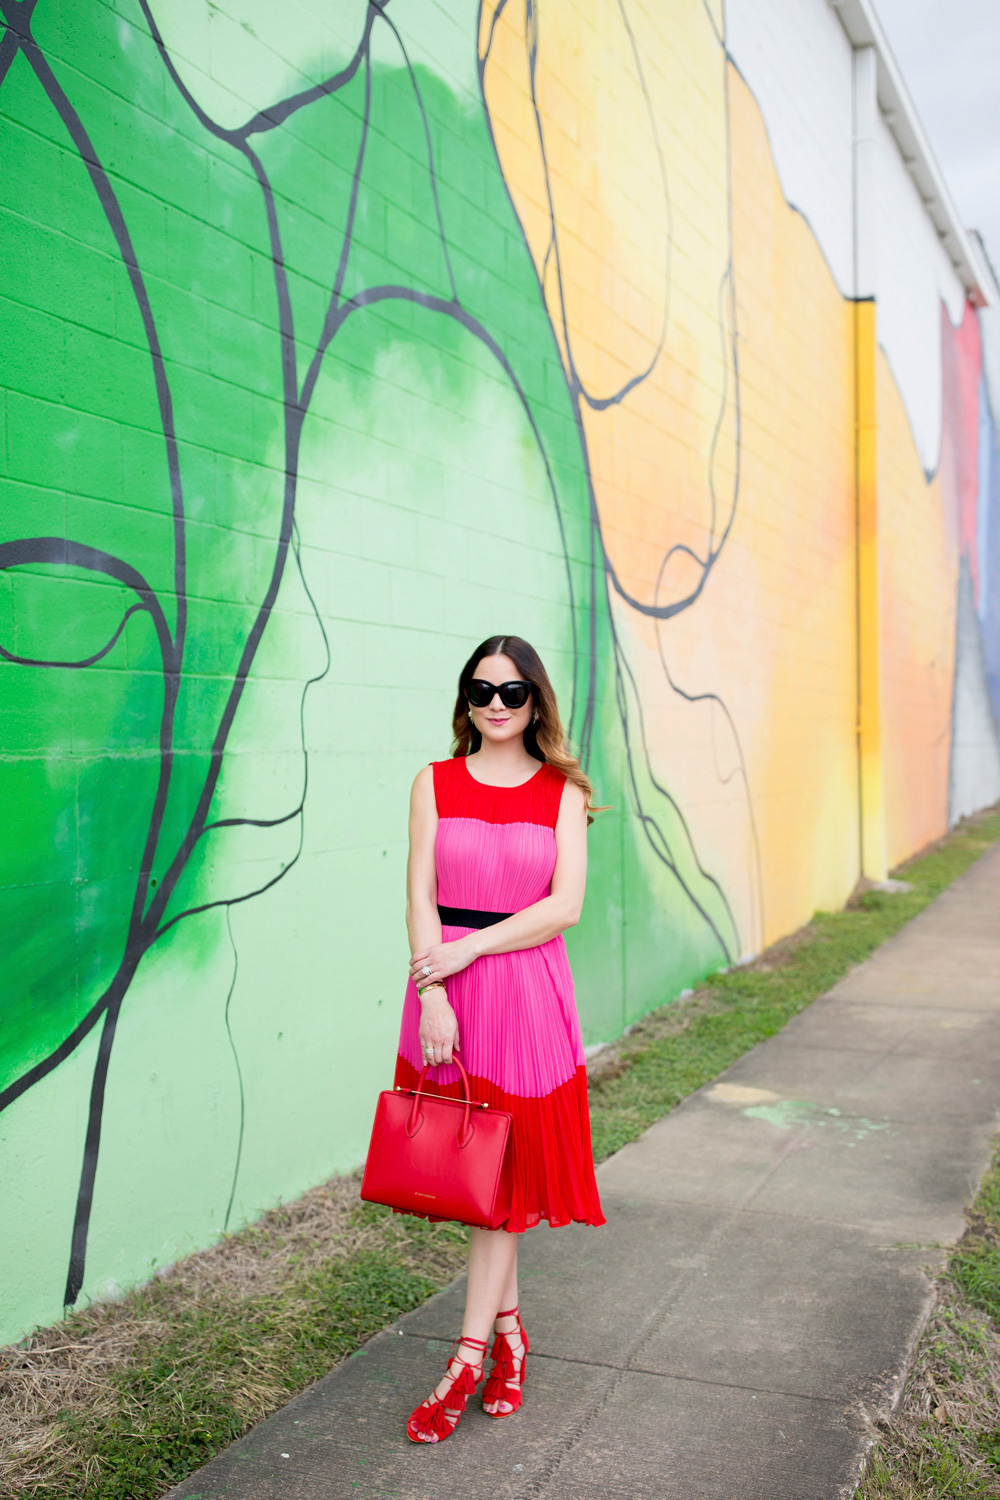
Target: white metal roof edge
<point>864,29</point>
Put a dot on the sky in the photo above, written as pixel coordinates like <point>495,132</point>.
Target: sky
<point>949,54</point>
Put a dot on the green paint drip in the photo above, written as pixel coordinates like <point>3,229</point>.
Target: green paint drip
<point>790,1114</point>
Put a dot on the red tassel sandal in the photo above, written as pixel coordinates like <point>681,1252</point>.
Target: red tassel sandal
<point>438,1416</point>
<point>507,1375</point>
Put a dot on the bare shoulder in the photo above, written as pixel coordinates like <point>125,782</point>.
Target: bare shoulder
<point>573,803</point>
<point>423,785</point>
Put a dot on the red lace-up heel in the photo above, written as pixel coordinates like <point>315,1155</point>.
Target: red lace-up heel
<point>506,1379</point>
<point>438,1416</point>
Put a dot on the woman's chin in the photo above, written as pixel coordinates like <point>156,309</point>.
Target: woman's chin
<point>501,736</point>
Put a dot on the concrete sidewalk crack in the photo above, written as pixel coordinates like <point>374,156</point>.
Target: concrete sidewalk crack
<point>601,1364</point>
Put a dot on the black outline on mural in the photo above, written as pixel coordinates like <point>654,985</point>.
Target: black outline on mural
<point>86,661</point>
<point>239,1071</point>
<point>576,384</point>
<point>144,926</point>
<point>152,899</point>
<point>576,391</point>
<point>10,43</point>
<point>298,811</point>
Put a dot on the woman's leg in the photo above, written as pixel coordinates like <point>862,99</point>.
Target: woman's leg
<point>511,1328</point>
<point>492,1286</point>
<point>492,1273</point>
<point>509,1297</point>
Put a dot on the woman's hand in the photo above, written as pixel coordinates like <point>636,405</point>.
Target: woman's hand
<point>439,961</point>
<point>438,1027</point>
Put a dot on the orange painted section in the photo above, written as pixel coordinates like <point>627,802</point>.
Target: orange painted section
<point>918,580</point>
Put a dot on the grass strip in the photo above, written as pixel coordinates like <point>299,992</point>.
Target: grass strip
<point>676,1049</point>
<point>943,1441</point>
<point>123,1400</point>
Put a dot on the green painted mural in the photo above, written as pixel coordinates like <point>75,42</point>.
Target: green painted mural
<point>333,340</point>
<point>278,431</point>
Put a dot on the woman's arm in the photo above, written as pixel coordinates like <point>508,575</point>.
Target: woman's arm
<point>438,1023</point>
<point>535,924</point>
<point>422,921</point>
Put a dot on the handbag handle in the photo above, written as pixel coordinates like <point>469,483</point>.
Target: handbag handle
<point>415,1120</point>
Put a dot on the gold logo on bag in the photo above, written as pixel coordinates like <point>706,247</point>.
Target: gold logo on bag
<point>424,1195</point>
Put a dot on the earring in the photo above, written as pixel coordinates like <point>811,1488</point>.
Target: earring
<point>534,717</point>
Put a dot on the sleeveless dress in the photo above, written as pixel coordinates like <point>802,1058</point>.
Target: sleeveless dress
<point>519,1033</point>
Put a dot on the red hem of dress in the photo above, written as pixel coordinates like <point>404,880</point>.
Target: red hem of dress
<point>553,1159</point>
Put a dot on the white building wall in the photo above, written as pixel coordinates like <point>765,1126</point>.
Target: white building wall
<point>989,327</point>
<point>796,59</point>
<point>914,275</point>
<point>974,769</point>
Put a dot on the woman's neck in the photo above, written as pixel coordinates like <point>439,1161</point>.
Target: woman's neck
<point>505,764</point>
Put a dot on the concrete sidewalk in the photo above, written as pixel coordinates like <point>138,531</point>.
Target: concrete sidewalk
<point>757,1288</point>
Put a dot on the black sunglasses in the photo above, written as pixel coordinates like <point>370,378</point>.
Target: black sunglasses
<point>481,693</point>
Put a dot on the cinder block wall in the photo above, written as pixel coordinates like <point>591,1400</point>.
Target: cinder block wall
<point>331,347</point>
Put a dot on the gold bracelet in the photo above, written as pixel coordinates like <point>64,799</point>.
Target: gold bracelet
<point>437,985</point>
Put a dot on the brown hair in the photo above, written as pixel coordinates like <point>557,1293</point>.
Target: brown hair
<point>544,737</point>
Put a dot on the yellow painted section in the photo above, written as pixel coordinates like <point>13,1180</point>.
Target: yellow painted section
<point>870,772</point>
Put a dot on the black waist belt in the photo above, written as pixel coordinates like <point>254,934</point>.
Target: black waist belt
<point>459,916</point>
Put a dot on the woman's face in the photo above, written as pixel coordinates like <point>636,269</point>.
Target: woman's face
<point>495,722</point>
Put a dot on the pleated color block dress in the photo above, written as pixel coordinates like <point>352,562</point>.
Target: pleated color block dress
<point>519,1033</point>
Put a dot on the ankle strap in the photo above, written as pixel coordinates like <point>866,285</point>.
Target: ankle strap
<point>510,1313</point>
<point>459,1359</point>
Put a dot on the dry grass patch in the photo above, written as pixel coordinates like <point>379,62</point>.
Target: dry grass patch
<point>943,1441</point>
<point>124,1399</point>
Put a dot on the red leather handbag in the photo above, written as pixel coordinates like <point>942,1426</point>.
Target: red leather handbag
<point>440,1158</point>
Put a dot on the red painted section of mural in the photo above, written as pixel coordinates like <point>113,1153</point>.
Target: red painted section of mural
<point>961,372</point>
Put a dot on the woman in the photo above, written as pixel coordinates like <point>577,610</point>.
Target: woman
<point>498,864</point>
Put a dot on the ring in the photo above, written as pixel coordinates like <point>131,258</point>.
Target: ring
<point>426,969</point>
